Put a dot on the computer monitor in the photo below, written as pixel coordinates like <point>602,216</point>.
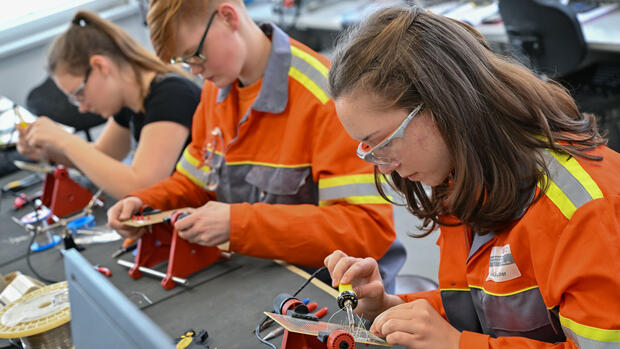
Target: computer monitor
<point>101,315</point>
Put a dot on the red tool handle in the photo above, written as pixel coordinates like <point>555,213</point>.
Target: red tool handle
<point>312,306</point>
<point>321,312</point>
<point>103,270</point>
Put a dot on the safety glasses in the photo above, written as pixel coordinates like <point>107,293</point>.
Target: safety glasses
<point>197,57</point>
<point>371,154</point>
<point>76,97</point>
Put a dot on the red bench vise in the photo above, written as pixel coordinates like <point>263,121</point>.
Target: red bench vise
<point>62,195</point>
<point>286,304</point>
<point>162,243</point>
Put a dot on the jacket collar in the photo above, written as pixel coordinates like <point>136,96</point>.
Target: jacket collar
<point>273,95</point>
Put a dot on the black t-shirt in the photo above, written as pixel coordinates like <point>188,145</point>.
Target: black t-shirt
<point>171,98</point>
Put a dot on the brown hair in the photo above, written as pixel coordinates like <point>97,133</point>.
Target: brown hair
<point>91,35</point>
<point>494,115</point>
<point>164,15</point>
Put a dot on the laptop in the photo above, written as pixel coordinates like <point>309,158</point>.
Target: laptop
<point>102,316</point>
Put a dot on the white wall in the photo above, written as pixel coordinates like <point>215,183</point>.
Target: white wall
<point>20,72</point>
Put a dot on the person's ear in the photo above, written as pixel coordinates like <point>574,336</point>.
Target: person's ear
<point>100,63</point>
<point>229,14</point>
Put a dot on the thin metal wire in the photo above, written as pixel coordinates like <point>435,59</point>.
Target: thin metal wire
<point>57,338</point>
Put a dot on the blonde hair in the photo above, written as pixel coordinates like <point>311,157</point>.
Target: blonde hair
<point>91,35</point>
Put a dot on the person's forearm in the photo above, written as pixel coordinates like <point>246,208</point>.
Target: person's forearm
<point>114,177</point>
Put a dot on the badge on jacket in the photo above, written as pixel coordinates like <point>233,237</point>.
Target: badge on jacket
<point>502,266</point>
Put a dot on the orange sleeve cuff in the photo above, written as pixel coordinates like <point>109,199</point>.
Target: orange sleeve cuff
<point>238,226</point>
<point>473,340</point>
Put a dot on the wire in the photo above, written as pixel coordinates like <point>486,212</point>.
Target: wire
<point>29,251</point>
<point>258,333</point>
<point>260,324</point>
<point>308,281</point>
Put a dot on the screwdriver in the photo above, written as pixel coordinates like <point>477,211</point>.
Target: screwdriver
<point>22,123</point>
<point>126,248</point>
<point>278,331</point>
<point>103,270</point>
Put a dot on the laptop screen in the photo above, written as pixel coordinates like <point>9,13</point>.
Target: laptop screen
<point>102,316</point>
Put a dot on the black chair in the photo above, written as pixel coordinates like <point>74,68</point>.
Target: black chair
<point>46,99</point>
<point>550,36</point>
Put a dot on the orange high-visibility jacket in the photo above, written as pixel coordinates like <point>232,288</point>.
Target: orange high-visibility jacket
<point>297,190</point>
<point>552,278</point>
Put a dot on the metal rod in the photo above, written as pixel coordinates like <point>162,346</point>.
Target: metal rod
<point>153,272</point>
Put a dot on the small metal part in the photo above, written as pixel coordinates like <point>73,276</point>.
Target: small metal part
<point>153,272</point>
<point>346,296</point>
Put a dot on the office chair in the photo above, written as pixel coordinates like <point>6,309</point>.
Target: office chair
<point>46,99</point>
<point>550,36</point>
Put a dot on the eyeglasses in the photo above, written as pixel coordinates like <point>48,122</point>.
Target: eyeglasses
<point>368,153</point>
<point>212,160</point>
<point>76,97</point>
<point>197,57</point>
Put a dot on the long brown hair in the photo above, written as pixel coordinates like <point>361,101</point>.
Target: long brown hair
<point>90,35</point>
<point>494,115</point>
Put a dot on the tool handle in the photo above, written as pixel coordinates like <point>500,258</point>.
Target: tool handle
<point>321,312</point>
<point>105,271</point>
<point>273,334</point>
<point>312,306</point>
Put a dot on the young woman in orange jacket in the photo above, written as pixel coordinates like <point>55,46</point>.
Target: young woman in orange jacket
<point>523,188</point>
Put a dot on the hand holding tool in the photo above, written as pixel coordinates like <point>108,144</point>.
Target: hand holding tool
<point>346,296</point>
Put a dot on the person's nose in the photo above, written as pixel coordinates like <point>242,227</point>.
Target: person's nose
<point>83,108</point>
<point>196,69</point>
<point>387,169</point>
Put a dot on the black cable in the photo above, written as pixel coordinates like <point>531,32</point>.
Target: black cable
<point>260,324</point>
<point>308,281</point>
<point>258,333</point>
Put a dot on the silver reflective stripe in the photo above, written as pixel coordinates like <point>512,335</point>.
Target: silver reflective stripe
<point>187,166</point>
<point>521,311</point>
<point>587,343</point>
<point>343,191</point>
<point>311,72</point>
<point>566,182</point>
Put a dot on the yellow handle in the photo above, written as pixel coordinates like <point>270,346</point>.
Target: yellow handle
<point>345,287</point>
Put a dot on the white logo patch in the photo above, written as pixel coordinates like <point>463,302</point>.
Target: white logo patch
<point>502,266</point>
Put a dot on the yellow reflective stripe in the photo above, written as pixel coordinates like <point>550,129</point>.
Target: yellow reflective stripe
<point>266,164</point>
<point>573,166</point>
<point>344,180</point>
<point>597,334</point>
<point>455,289</point>
<point>357,200</point>
<point>191,177</point>
<point>557,196</point>
<point>310,59</point>
<point>502,294</point>
<point>192,160</point>
<point>309,84</point>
